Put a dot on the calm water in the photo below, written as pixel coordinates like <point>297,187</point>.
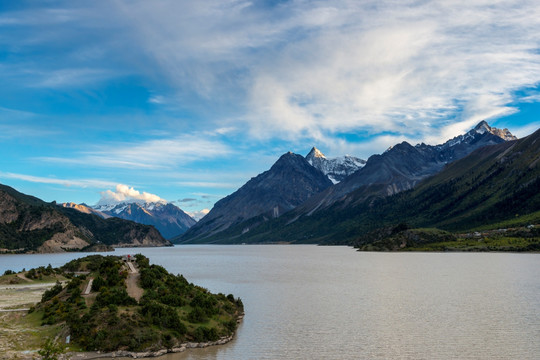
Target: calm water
<point>309,302</point>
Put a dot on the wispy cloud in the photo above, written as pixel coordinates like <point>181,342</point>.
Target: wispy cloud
<point>294,70</point>
<point>528,129</point>
<point>82,183</point>
<point>308,68</point>
<point>150,154</point>
<point>206,184</point>
<point>63,78</point>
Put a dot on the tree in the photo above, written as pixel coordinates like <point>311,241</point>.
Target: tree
<point>51,350</point>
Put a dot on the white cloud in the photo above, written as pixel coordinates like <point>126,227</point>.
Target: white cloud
<point>526,130</point>
<point>206,184</point>
<point>165,153</point>
<point>82,183</point>
<point>198,215</point>
<point>70,77</point>
<point>307,68</point>
<point>125,193</point>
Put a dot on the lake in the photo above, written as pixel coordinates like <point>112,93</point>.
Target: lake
<point>311,302</point>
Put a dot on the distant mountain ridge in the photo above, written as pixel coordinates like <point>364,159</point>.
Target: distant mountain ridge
<point>493,184</point>
<point>169,219</point>
<point>288,183</point>
<point>398,169</point>
<point>403,166</point>
<point>337,168</point>
<point>30,224</point>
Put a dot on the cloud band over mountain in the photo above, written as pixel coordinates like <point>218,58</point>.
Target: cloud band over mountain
<point>124,193</point>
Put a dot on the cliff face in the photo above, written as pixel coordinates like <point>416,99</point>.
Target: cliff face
<point>29,224</point>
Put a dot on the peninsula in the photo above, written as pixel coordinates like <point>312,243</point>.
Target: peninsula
<point>118,305</point>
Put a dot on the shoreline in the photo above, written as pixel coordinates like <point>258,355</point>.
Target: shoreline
<point>152,354</point>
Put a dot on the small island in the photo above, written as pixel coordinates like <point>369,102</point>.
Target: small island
<point>119,305</point>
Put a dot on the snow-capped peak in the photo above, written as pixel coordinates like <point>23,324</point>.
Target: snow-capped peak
<point>336,169</point>
<point>315,153</point>
<point>482,127</point>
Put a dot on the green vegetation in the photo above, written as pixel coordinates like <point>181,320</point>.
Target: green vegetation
<point>51,350</point>
<point>401,238</point>
<point>171,311</point>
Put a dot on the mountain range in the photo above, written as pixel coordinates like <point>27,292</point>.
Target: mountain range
<point>400,169</point>
<point>168,218</point>
<point>481,178</point>
<point>30,224</point>
<point>403,166</point>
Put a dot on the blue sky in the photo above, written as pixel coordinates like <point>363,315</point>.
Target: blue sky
<point>187,100</point>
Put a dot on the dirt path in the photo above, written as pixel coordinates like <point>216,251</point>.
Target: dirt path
<point>133,288</point>
<point>21,276</point>
<point>88,287</point>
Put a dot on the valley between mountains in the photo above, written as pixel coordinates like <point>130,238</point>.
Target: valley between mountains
<point>478,191</point>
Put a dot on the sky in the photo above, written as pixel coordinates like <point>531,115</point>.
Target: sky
<point>185,101</point>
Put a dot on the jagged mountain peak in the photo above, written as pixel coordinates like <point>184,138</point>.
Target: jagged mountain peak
<point>314,153</point>
<point>336,169</point>
<point>482,126</point>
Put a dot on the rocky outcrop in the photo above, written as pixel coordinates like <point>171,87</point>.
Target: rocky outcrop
<point>85,209</point>
<point>65,241</point>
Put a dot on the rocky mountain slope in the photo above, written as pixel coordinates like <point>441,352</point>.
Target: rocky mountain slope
<point>30,224</point>
<point>288,183</point>
<point>494,186</point>
<point>85,209</point>
<point>336,169</point>
<point>169,219</point>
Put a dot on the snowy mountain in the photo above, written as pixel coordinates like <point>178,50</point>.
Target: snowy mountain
<point>336,169</point>
<point>403,166</point>
<point>169,219</point>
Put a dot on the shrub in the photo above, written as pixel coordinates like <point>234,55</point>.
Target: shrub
<point>52,292</point>
<point>203,333</point>
<point>51,350</point>
<point>163,316</point>
<point>116,296</point>
<point>197,315</point>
